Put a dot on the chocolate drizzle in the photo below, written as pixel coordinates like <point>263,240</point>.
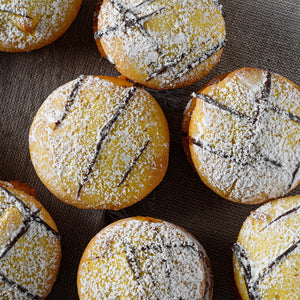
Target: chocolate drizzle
<point>19,288</point>
<point>130,20</point>
<point>297,168</point>
<point>203,57</point>
<point>19,14</point>
<point>70,100</point>
<point>284,113</point>
<point>289,212</point>
<point>23,229</point>
<point>244,161</point>
<point>32,216</point>
<point>243,259</point>
<point>104,132</point>
<point>213,102</point>
<point>251,283</point>
<point>134,162</point>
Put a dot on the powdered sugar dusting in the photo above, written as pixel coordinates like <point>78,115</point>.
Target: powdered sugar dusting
<point>29,251</point>
<point>158,40</point>
<point>46,19</point>
<point>265,241</point>
<point>250,143</point>
<point>71,147</point>
<point>140,259</point>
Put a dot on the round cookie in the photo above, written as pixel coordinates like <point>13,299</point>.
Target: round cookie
<point>144,258</point>
<point>28,25</point>
<point>266,257</point>
<point>160,44</point>
<point>244,136</point>
<point>100,142</point>
<point>30,250</point>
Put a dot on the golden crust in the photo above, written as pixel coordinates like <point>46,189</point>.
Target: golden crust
<point>113,247</point>
<point>243,136</point>
<point>26,26</point>
<point>110,160</point>
<point>269,241</point>
<point>29,243</point>
<point>167,47</point>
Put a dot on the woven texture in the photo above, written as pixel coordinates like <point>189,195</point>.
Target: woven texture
<point>262,34</point>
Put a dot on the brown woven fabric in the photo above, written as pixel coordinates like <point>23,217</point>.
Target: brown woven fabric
<point>262,34</point>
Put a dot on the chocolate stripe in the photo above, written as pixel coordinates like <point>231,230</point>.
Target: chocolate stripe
<point>70,100</point>
<point>297,168</point>
<point>289,212</point>
<point>223,154</point>
<point>244,262</point>
<point>18,287</point>
<point>20,14</point>
<point>279,259</point>
<point>132,262</point>
<point>203,57</point>
<point>134,162</point>
<point>31,214</point>
<point>220,153</point>
<point>213,102</point>
<point>284,113</point>
<point>21,232</point>
<point>130,19</point>
<point>252,285</point>
<point>104,133</point>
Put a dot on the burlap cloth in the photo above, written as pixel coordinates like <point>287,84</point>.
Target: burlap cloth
<point>261,33</point>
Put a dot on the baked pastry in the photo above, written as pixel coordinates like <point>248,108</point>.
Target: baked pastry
<point>30,250</point>
<point>266,257</point>
<point>244,136</point>
<point>27,25</point>
<point>100,142</point>
<point>144,258</point>
<point>160,44</point>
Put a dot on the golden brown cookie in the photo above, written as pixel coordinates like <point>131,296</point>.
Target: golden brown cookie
<point>266,259</point>
<point>244,136</point>
<point>160,44</point>
<point>28,25</point>
<point>100,142</point>
<point>30,250</point>
<point>144,258</point>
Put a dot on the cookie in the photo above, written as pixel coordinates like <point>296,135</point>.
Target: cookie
<point>160,44</point>
<point>266,257</point>
<point>100,142</point>
<point>28,25</point>
<point>30,250</point>
<point>144,258</point>
<point>244,136</point>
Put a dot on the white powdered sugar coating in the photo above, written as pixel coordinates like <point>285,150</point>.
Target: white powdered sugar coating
<point>138,138</point>
<point>161,40</point>
<point>48,19</point>
<point>140,259</point>
<point>266,236</point>
<point>30,254</point>
<point>250,147</point>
